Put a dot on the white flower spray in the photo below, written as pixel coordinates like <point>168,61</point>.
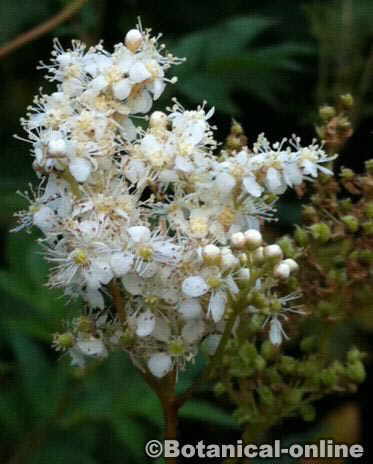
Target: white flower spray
<point>153,228</point>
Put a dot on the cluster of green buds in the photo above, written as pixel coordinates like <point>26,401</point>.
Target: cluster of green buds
<point>267,384</point>
<point>335,248</point>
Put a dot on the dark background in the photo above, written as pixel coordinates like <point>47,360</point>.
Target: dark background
<point>270,64</point>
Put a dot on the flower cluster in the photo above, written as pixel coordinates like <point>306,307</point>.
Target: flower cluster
<point>155,229</point>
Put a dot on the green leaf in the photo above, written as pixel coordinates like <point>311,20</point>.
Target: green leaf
<point>208,412</point>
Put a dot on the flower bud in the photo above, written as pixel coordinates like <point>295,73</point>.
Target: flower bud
<point>211,254</point>
<point>354,355</point>
<point>258,255</point>
<point>253,238</point>
<point>293,265</point>
<point>347,100</point>
<point>158,120</point>
<point>287,246</point>
<point>369,209</point>
<point>301,236</point>
<point>133,40</point>
<point>282,270</point>
<point>368,227</point>
<point>229,261</point>
<point>350,222</point>
<point>369,166</point>
<point>321,232</point>
<point>356,371</point>
<point>64,341</point>
<point>326,112</point>
<point>244,274</point>
<point>238,240</point>
<point>347,174</point>
<point>273,252</point>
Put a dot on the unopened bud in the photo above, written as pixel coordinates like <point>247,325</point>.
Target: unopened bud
<point>158,120</point>
<point>350,222</point>
<point>244,274</point>
<point>64,341</point>
<point>253,238</point>
<point>238,240</point>
<point>369,166</point>
<point>347,100</point>
<point>258,255</point>
<point>293,265</point>
<point>229,261</point>
<point>211,254</point>
<point>327,112</point>
<point>281,271</point>
<point>301,236</point>
<point>368,227</point>
<point>273,252</point>
<point>321,232</point>
<point>133,40</point>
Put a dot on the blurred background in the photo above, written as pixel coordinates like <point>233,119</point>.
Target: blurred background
<point>267,63</point>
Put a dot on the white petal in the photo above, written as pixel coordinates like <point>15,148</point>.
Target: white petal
<point>190,308</point>
<point>166,252</point>
<point>122,89</point>
<point>217,305</point>
<point>162,330</point>
<point>158,88</point>
<point>139,234</point>
<point>139,73</point>
<point>133,284</point>
<point>80,168</point>
<point>225,182</point>
<point>183,165</point>
<point>211,343</point>
<point>129,130</point>
<point>121,263</point>
<point>99,83</point>
<point>275,332</point>
<point>142,103</point>
<point>252,186</point>
<point>145,324</point>
<point>45,219</point>
<point>274,181</point>
<point>194,286</point>
<point>98,273</point>
<point>92,347</point>
<point>193,331</point>
<point>135,170</point>
<point>159,364</point>
<point>94,298</point>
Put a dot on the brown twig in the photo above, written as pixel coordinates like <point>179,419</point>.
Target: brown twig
<point>118,300</point>
<point>43,28</point>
